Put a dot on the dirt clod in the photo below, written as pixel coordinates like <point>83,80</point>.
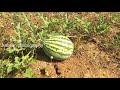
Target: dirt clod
<point>57,70</point>
<point>42,71</point>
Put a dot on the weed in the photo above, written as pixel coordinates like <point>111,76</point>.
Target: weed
<point>29,73</point>
<point>84,24</point>
<point>18,55</point>
<point>116,19</point>
<point>102,26</point>
<point>117,40</point>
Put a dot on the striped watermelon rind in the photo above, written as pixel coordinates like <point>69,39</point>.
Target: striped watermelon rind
<point>59,47</point>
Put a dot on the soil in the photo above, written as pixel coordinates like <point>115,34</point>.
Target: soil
<point>90,61</point>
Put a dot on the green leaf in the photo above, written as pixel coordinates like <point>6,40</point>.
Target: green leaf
<point>11,50</point>
<point>17,66</point>
<point>29,73</point>
<point>17,59</point>
<point>9,67</point>
<point>25,57</point>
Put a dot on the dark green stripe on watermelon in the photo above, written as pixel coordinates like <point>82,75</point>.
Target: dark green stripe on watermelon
<point>55,49</point>
<point>60,45</point>
<point>57,52</point>
<point>55,40</point>
<point>61,55</point>
<point>60,37</point>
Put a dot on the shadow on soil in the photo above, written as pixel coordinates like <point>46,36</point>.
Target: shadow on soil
<point>41,56</point>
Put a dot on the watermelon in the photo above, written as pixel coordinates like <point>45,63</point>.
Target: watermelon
<point>58,47</point>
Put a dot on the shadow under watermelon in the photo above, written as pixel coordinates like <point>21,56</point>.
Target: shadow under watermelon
<point>41,56</point>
